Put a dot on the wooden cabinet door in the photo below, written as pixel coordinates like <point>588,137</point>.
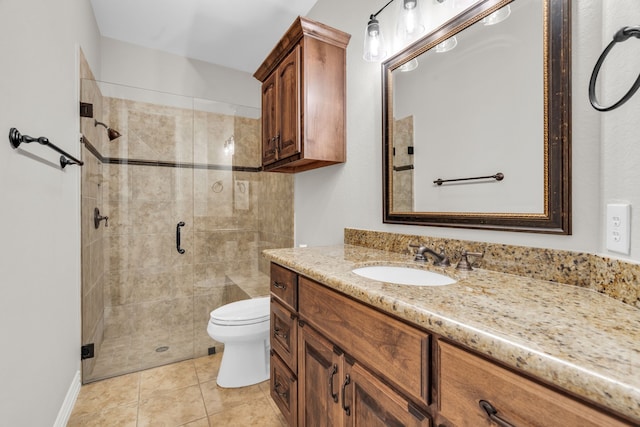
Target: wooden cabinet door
<point>320,369</point>
<point>284,389</point>
<point>371,403</point>
<point>289,102</point>
<point>269,119</point>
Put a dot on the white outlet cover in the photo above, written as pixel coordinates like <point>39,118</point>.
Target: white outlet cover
<point>618,227</point>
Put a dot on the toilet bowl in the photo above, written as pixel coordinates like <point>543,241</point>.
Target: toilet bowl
<point>243,327</point>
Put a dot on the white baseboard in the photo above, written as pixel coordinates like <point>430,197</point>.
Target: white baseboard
<point>69,401</point>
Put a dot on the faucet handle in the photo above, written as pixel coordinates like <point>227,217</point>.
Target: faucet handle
<point>418,252</point>
<point>444,259</point>
<point>464,263</point>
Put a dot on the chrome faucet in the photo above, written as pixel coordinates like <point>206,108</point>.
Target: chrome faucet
<point>439,259</point>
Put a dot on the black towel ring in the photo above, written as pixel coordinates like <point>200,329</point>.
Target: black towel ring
<point>623,34</point>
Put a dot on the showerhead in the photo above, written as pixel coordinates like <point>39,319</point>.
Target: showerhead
<point>111,133</point>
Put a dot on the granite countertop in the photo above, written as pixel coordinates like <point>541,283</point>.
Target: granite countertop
<point>575,338</point>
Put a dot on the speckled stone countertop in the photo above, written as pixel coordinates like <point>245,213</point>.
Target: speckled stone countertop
<point>575,338</point>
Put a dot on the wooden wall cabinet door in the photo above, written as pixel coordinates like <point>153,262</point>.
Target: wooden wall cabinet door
<point>269,120</point>
<point>304,98</point>
<point>281,110</point>
<point>288,137</point>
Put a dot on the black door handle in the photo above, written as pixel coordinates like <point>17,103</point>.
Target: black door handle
<point>179,249</point>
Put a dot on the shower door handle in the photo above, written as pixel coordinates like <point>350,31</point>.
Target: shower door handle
<point>179,249</point>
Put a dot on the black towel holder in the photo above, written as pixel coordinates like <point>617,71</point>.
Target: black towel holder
<point>16,138</point>
<point>621,35</point>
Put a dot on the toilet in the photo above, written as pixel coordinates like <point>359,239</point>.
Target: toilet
<point>243,327</point>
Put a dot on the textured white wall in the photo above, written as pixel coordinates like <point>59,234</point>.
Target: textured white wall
<point>40,207</point>
<point>350,195</point>
<point>621,127</point>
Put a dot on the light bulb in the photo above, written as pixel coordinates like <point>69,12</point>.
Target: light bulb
<point>447,45</point>
<point>410,24</point>
<point>374,48</point>
<point>497,16</point>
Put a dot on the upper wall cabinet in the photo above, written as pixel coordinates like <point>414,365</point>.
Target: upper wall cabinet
<point>304,98</point>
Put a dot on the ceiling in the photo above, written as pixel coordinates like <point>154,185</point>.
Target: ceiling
<point>238,34</point>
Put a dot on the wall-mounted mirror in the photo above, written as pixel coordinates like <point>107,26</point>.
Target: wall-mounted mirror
<point>477,121</point>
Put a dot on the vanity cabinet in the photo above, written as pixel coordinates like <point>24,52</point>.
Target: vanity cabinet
<point>467,381</point>
<point>354,365</point>
<point>338,362</point>
<point>304,98</point>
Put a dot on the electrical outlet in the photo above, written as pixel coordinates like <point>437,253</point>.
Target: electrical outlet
<point>618,227</point>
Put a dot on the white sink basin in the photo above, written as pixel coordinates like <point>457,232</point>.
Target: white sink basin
<point>404,275</point>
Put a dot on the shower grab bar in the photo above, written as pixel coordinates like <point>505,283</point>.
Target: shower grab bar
<point>498,177</point>
<point>178,248</point>
<point>16,138</point>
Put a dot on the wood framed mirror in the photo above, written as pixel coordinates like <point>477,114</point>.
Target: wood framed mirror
<point>480,136</point>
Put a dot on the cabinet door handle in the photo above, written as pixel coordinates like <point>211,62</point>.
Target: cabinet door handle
<point>346,382</point>
<point>283,394</point>
<point>279,285</point>
<point>492,413</point>
<point>279,333</point>
<point>334,371</point>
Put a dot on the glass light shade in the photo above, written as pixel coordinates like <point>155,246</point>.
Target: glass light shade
<point>410,21</point>
<point>374,47</point>
<point>497,16</point>
<point>447,45</point>
<point>409,66</point>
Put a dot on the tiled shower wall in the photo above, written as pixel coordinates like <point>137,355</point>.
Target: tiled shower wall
<point>403,178</point>
<point>169,166</point>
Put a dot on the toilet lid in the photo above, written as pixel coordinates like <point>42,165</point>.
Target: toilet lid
<point>245,312</point>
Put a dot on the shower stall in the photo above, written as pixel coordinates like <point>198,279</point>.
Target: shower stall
<point>175,214</point>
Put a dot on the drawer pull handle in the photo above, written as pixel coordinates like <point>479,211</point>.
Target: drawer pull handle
<point>346,382</point>
<point>492,413</point>
<point>279,285</point>
<point>333,372</point>
<point>283,394</point>
<point>277,332</point>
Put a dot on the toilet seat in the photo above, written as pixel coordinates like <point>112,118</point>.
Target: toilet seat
<point>245,312</point>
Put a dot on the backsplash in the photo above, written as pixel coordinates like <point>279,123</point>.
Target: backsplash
<point>615,278</point>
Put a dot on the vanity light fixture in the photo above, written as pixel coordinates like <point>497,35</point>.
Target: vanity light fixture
<point>229,146</point>
<point>374,48</point>
<point>446,45</point>
<point>497,16</point>
<point>409,66</point>
<point>409,26</point>
<point>410,23</point>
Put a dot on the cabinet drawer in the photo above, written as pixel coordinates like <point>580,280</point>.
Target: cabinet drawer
<point>466,379</point>
<point>390,348</point>
<point>284,334</point>
<point>284,285</point>
<point>284,389</point>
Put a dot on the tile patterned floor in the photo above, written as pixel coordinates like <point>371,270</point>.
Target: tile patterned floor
<point>180,394</point>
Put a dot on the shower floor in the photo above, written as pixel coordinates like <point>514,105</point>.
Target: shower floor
<point>132,353</point>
